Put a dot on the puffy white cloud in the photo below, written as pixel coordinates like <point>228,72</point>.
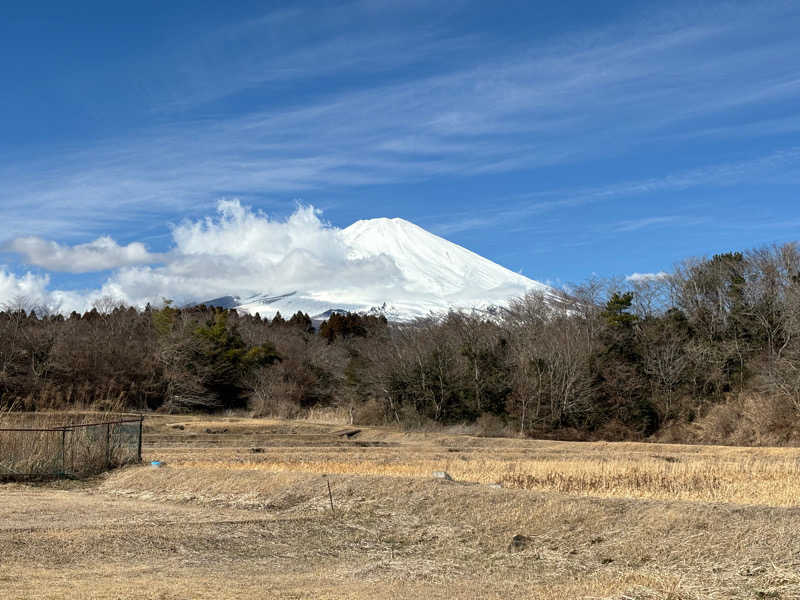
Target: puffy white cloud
<point>246,252</point>
<point>237,251</point>
<point>30,292</point>
<point>642,277</point>
<point>242,233</point>
<point>27,288</point>
<point>101,254</point>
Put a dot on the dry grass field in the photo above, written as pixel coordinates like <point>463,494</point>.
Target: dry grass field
<point>241,509</point>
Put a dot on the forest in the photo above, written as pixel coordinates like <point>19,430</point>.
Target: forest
<point>709,352</point>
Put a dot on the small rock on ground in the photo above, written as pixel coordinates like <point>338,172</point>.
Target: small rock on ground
<point>518,543</point>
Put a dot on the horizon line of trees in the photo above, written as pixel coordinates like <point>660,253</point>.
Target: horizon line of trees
<point>610,359</point>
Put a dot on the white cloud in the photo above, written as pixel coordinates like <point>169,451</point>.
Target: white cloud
<point>780,166</point>
<point>28,287</point>
<point>238,251</point>
<point>244,234</point>
<point>637,224</point>
<point>30,291</point>
<point>643,277</point>
<point>101,254</point>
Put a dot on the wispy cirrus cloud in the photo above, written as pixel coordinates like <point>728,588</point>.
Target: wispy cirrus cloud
<point>637,224</point>
<point>456,113</point>
<point>779,167</point>
<point>646,222</point>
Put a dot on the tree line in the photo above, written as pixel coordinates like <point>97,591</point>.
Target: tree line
<point>708,352</point>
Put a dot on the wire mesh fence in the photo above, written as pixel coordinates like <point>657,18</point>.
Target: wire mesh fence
<point>40,449</point>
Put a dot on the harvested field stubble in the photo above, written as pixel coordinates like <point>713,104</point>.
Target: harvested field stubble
<point>619,521</point>
<point>763,476</point>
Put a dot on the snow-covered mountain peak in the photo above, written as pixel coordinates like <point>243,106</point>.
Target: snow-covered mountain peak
<point>384,224</point>
<point>429,274</point>
<point>430,264</point>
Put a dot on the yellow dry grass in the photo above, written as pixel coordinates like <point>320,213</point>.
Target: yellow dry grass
<point>241,509</point>
<point>747,476</point>
<point>752,482</point>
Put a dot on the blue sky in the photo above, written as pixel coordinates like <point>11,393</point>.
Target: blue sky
<point>558,139</point>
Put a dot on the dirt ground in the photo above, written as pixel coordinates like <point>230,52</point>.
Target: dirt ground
<point>241,509</point>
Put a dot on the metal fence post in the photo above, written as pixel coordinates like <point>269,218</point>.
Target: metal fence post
<point>108,445</point>
<point>139,451</point>
<point>72,450</point>
<point>63,450</point>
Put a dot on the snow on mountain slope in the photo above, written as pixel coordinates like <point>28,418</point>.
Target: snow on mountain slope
<point>435,275</point>
<point>431,264</point>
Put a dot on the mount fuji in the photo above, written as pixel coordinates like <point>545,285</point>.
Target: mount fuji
<point>433,275</point>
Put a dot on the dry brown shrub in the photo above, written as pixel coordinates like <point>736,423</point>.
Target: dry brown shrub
<point>370,412</point>
<point>275,396</point>
<point>616,431</point>
<point>750,420</point>
<point>490,425</point>
<point>334,415</point>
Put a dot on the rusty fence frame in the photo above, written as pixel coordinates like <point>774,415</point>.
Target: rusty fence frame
<point>62,472</point>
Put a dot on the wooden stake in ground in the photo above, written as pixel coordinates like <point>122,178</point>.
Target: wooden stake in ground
<point>330,497</point>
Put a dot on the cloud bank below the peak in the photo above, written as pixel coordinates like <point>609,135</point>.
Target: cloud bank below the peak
<point>238,250</point>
